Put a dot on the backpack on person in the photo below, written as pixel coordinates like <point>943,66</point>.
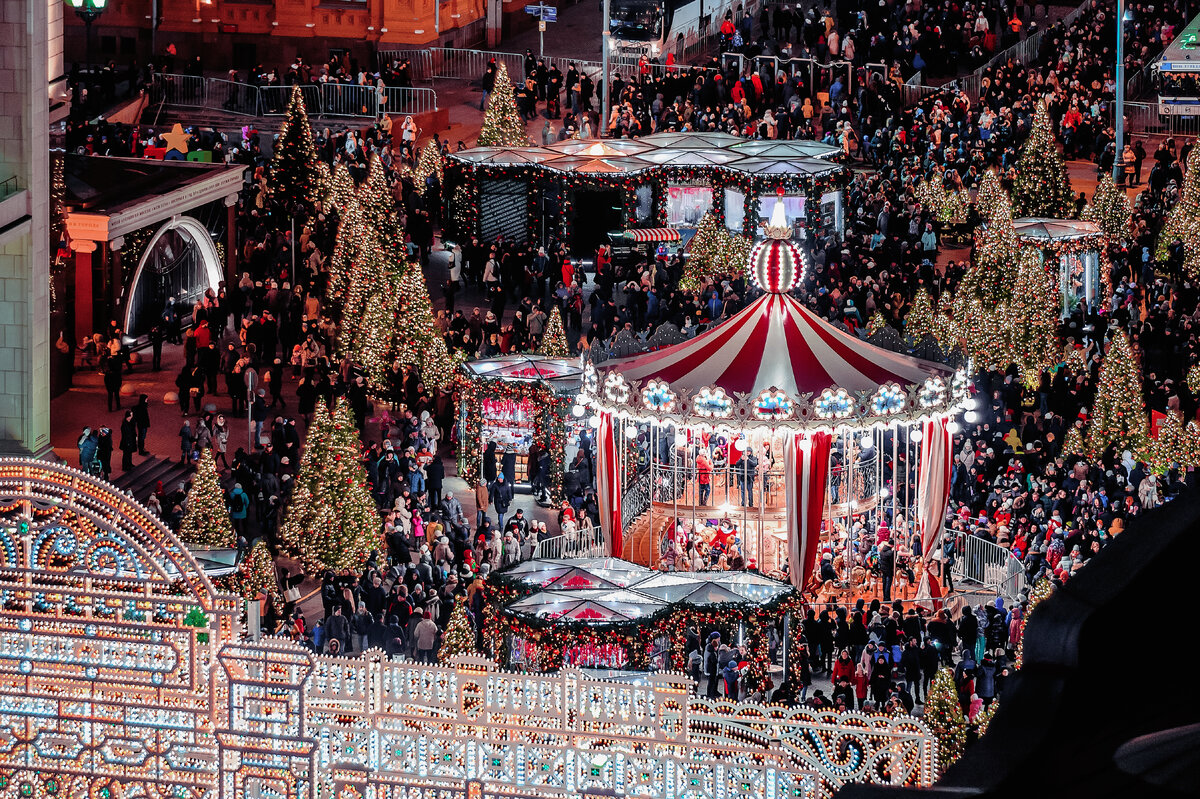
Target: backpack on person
<point>237,503</point>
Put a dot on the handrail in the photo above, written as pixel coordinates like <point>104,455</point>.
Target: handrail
<point>586,542</point>
<point>989,565</point>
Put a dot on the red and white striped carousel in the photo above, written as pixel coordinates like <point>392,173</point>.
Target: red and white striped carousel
<point>760,442</point>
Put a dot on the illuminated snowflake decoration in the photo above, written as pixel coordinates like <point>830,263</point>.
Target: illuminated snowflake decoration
<point>615,388</point>
<point>773,406</point>
<point>658,396</point>
<point>932,393</point>
<point>958,386</point>
<point>590,381</point>
<point>889,399</point>
<point>713,404</point>
<point>834,404</point>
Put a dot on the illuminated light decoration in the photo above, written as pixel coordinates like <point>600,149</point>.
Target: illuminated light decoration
<point>658,396</point>
<point>888,400</point>
<point>834,404</point>
<point>778,264</point>
<point>713,404</point>
<point>773,405</point>
<point>932,393</point>
<point>590,380</point>
<point>615,388</point>
<point>960,387</point>
<point>1042,186</point>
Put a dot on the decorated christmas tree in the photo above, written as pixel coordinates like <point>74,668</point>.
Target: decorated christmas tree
<point>369,313</point>
<point>994,272</point>
<point>1073,443</point>
<point>502,123</point>
<point>1183,220</point>
<point>946,205</point>
<point>1032,319</point>
<point>380,213</point>
<point>1042,187</point>
<point>459,638</point>
<point>206,521</point>
<point>1109,209</point>
<point>294,171</point>
<point>346,248</point>
<point>945,718</point>
<point>984,719</point>
<point>713,251</point>
<point>554,340</point>
<point>876,323</point>
<point>1193,378</point>
<point>418,341</point>
<point>428,165</point>
<point>341,189</point>
<point>919,322</point>
<point>332,522</point>
<point>256,575</point>
<point>1119,410</point>
<point>1176,444</point>
<point>989,192</point>
<point>1041,591</point>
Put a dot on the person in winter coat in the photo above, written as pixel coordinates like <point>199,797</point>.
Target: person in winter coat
<point>104,450</point>
<point>881,680</point>
<point>729,676</point>
<point>482,502</point>
<point>711,670</point>
<point>910,664</point>
<point>862,681</point>
<point>239,506</point>
<point>141,418</point>
<point>501,495</point>
<point>843,666</point>
<point>129,441</point>
<point>426,637</point>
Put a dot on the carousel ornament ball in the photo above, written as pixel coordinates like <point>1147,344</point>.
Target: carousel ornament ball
<point>776,262</point>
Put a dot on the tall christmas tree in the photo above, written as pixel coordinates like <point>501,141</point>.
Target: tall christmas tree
<point>1119,410</point>
<point>502,123</point>
<point>206,522</point>
<point>346,248</point>
<point>1042,187</point>
<point>1183,220</point>
<point>341,189</point>
<point>332,522</point>
<point>380,212</point>
<point>1109,209</point>
<point>294,171</point>
<point>418,341</point>
<point>945,718</point>
<point>994,272</point>
<point>369,314</point>
<point>428,165</point>
<point>1032,319</point>
<point>256,575</point>
<point>459,638</point>
<point>554,340</point>
<point>1073,443</point>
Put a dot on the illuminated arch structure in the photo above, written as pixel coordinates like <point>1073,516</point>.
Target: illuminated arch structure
<point>124,675</point>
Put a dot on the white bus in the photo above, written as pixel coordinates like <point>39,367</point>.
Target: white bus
<point>1176,74</point>
<point>654,27</point>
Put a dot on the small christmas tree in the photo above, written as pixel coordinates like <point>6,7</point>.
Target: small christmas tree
<point>206,522</point>
<point>554,340</point>
<point>332,522</point>
<point>294,171</point>
<point>1176,444</point>
<point>459,638</point>
<point>1073,443</point>
<point>876,323</point>
<point>502,123</point>
<point>1032,319</point>
<point>1183,220</point>
<point>945,718</point>
<point>918,323</point>
<point>428,165</point>
<point>984,719</point>
<point>1119,412</point>
<point>1193,378</point>
<point>1109,209</point>
<point>380,213</point>
<point>256,575</point>
<point>714,250</point>
<point>341,189</point>
<point>1042,187</point>
<point>418,341</point>
<point>990,191</point>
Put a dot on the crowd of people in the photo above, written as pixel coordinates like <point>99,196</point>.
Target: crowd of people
<point>1013,484</point>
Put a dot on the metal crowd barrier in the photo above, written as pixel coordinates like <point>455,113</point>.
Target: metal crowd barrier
<point>321,99</point>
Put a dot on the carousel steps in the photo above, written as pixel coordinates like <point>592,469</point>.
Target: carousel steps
<point>641,540</point>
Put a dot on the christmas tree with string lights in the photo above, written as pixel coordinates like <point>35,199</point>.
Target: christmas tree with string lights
<point>554,340</point>
<point>945,718</point>
<point>346,248</point>
<point>989,192</point>
<point>1193,378</point>
<point>428,165</point>
<point>206,522</point>
<point>295,174</point>
<point>918,323</point>
<point>714,250</point>
<point>502,123</point>
<point>994,272</point>
<point>876,323</point>
<point>256,575</point>
<point>418,341</point>
<point>380,212</point>
<point>1183,220</point>
<point>1119,410</point>
<point>1109,208</point>
<point>1176,444</point>
<point>459,638</point>
<point>945,205</point>
<point>332,522</point>
<point>1073,443</point>
<point>369,314</point>
<point>1031,320</point>
<point>1042,186</point>
<point>1041,591</point>
<point>341,189</point>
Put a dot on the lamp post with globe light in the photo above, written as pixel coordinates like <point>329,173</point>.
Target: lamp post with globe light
<point>89,11</point>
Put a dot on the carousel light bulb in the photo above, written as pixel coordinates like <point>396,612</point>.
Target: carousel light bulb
<point>681,439</point>
<point>740,445</point>
<point>970,416</point>
<point>578,410</point>
<point>952,427</point>
<point>865,442</point>
<point>917,436</point>
<point>883,493</point>
<point>631,432</point>
<point>594,421</point>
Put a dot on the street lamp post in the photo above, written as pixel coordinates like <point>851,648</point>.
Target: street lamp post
<point>1123,15</point>
<point>89,11</point>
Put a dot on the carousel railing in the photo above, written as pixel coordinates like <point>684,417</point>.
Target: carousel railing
<point>990,566</point>
<point>586,542</point>
<point>636,498</point>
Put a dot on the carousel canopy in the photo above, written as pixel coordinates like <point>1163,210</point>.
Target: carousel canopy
<point>774,362</point>
<point>1042,229</point>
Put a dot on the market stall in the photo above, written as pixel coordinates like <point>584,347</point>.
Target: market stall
<point>613,614</point>
<point>1074,253</point>
<point>519,404</point>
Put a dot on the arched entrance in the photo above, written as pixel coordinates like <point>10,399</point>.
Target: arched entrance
<point>180,263</point>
